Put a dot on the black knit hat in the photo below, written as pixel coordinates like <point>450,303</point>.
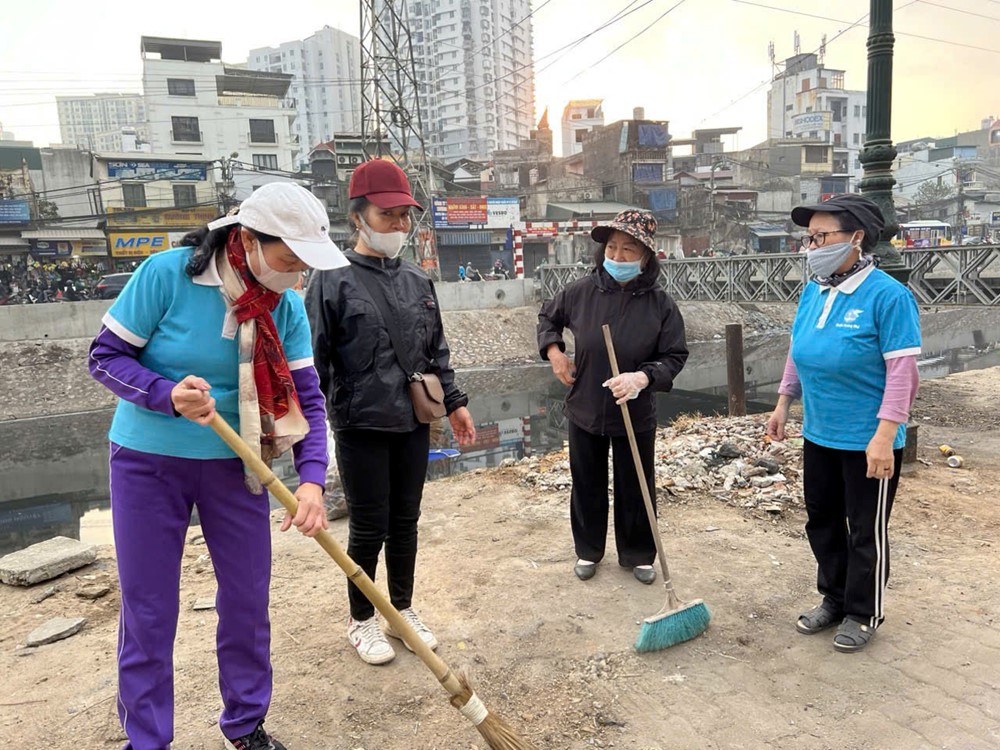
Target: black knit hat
<point>868,214</point>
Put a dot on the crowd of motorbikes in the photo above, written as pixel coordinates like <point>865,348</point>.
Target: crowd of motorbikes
<point>38,284</point>
<point>499,272</point>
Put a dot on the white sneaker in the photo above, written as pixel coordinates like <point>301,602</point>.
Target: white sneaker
<point>414,621</point>
<point>367,637</point>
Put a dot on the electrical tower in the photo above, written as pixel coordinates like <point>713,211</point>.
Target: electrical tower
<point>391,124</point>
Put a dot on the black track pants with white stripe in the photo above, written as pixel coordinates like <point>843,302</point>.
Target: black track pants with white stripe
<point>847,526</point>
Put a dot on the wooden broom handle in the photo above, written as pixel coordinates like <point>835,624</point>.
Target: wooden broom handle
<point>354,572</point>
<point>637,460</point>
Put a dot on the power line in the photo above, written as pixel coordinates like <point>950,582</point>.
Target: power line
<point>960,10</point>
<point>630,39</point>
<point>898,33</point>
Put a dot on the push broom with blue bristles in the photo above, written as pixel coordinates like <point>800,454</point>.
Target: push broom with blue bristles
<point>677,621</point>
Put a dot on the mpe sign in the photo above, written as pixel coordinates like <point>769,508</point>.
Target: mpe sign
<point>138,244</point>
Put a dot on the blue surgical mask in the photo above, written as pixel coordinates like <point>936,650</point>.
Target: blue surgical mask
<point>623,272</point>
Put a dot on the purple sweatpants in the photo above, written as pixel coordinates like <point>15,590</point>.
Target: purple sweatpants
<point>151,501</point>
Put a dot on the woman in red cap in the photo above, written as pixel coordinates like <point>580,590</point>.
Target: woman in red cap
<point>375,324</point>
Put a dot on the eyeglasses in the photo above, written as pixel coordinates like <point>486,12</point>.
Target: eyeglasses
<point>819,239</point>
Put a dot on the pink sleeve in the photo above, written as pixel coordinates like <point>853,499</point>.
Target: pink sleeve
<point>790,385</point>
<point>901,382</point>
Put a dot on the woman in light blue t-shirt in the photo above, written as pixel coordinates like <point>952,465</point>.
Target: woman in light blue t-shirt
<point>211,327</point>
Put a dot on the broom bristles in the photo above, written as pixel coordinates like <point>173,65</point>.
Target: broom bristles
<point>670,628</point>
<point>499,735</point>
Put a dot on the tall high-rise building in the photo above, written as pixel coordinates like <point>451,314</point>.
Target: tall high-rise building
<point>95,121</point>
<point>326,83</point>
<point>475,66</point>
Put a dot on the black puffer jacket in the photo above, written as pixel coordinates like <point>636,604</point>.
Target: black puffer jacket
<point>364,383</point>
<point>648,333</point>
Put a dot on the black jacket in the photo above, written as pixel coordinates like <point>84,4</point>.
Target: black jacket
<point>364,383</point>
<point>648,333</point>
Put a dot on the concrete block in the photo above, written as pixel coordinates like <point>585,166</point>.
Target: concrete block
<point>55,629</point>
<point>45,560</point>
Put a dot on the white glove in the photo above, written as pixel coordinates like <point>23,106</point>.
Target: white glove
<point>627,386</point>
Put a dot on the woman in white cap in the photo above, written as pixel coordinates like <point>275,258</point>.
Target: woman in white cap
<point>623,291</point>
<point>212,326</point>
<point>377,325</point>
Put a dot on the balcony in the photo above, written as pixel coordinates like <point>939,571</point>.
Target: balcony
<point>262,138</point>
<point>187,137</point>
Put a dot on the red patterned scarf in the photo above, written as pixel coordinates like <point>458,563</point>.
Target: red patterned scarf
<point>270,368</point>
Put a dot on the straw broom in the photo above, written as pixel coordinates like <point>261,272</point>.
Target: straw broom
<point>677,621</point>
<point>497,733</point>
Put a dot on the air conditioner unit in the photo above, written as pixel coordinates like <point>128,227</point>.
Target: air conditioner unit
<point>588,195</point>
<point>342,160</point>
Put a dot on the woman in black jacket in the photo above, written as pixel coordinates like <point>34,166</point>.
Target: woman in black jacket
<point>381,446</point>
<point>648,333</point>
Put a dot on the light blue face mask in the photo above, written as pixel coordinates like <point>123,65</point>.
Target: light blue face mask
<point>623,272</point>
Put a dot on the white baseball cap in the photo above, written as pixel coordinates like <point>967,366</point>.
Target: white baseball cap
<point>289,211</point>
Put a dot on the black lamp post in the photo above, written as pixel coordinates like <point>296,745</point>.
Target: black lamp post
<point>879,153</point>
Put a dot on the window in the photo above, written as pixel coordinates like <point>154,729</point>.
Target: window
<point>816,154</point>
<point>580,135</point>
<point>265,161</point>
<point>262,131</point>
<point>857,110</point>
<point>180,86</point>
<point>134,194</point>
<point>186,129</point>
<point>184,196</point>
<point>857,139</point>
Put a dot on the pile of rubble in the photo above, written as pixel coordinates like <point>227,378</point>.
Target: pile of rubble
<point>729,458</point>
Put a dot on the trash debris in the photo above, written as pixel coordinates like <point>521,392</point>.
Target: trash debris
<point>730,458</point>
<point>955,461</point>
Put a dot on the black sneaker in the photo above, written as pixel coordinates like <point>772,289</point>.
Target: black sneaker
<point>258,739</point>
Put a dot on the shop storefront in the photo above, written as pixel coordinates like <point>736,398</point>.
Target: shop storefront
<point>134,236</point>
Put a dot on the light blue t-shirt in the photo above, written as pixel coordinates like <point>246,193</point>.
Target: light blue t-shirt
<point>841,339</point>
<point>182,327</point>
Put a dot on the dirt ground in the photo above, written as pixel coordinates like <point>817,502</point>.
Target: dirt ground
<point>554,655</point>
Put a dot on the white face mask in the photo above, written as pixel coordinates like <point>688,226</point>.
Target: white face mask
<point>389,244</point>
<point>276,281</point>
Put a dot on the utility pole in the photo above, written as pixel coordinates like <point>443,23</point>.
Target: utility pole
<point>879,153</point>
<point>391,124</point>
<point>960,224</point>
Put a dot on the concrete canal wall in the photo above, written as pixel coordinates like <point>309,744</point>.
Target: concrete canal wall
<point>73,320</point>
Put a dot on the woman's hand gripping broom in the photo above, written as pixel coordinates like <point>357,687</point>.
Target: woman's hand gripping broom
<point>498,735</point>
<point>677,621</point>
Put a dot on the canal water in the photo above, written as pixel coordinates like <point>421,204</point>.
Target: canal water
<point>54,472</point>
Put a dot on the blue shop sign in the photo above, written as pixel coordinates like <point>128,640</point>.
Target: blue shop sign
<point>158,170</point>
<point>14,212</point>
<point>51,248</point>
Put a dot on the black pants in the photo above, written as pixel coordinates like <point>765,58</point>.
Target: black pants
<point>847,526</point>
<point>383,476</point>
<point>588,464</point>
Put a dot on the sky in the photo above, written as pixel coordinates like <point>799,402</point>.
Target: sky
<point>696,63</point>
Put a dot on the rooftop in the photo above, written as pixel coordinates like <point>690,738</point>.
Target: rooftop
<point>189,50</point>
<point>245,81</point>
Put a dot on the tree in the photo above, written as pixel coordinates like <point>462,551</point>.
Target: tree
<point>47,210</point>
<point>932,193</point>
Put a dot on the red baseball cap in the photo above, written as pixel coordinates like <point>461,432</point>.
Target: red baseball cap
<point>383,183</point>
